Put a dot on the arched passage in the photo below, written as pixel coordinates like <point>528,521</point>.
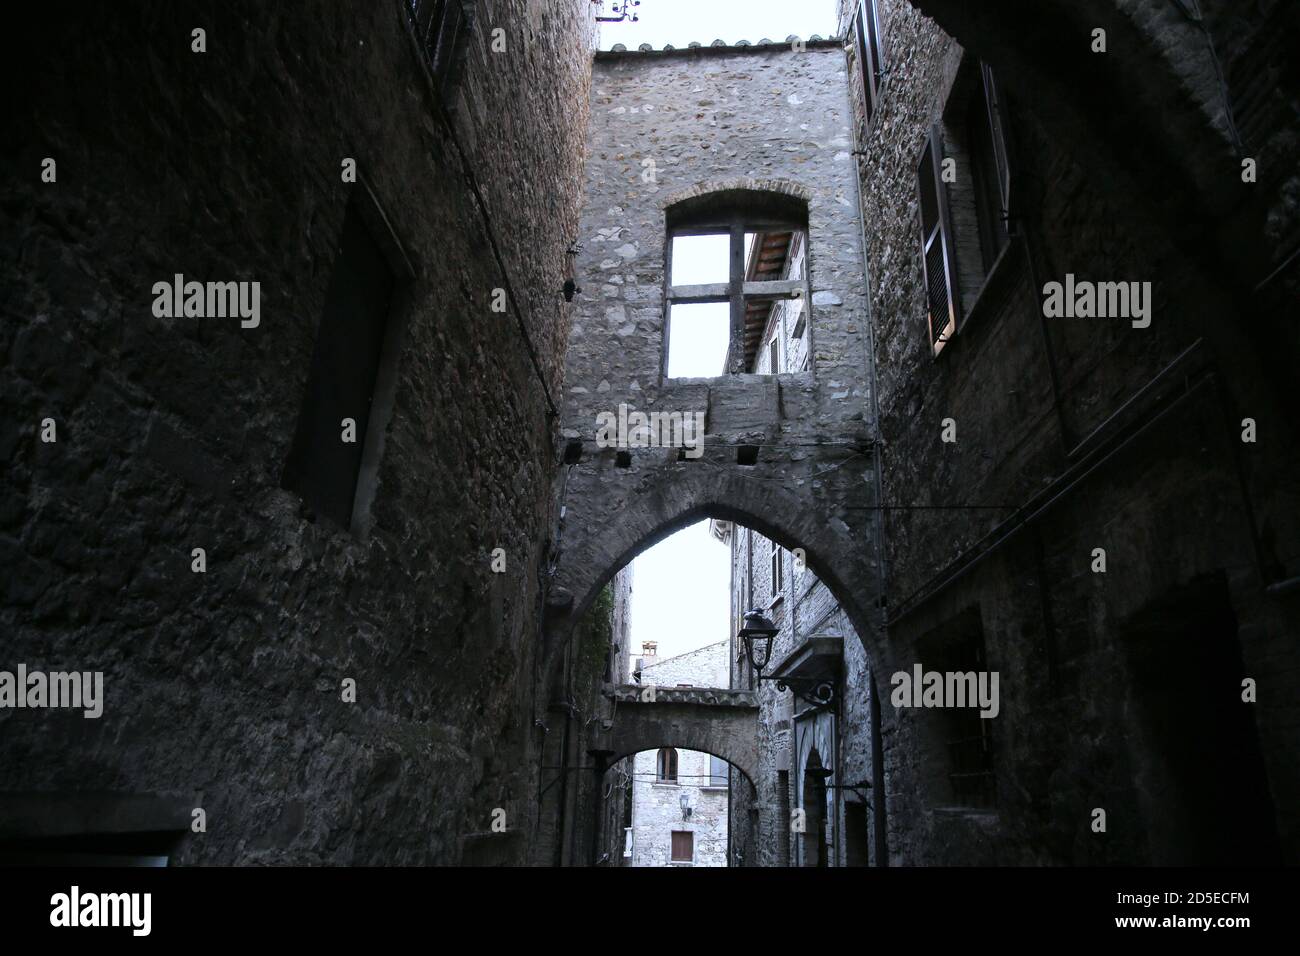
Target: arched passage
<point>709,720</point>
<point>722,721</point>
<point>607,530</point>
<point>687,820</point>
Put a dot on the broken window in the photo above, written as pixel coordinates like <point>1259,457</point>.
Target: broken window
<point>730,269</point>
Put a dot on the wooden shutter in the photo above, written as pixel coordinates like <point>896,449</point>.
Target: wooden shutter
<point>683,846</point>
<point>868,36</point>
<point>668,764</point>
<point>997,130</point>
<point>936,243</point>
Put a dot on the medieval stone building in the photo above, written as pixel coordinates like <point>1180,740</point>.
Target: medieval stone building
<point>314,322</point>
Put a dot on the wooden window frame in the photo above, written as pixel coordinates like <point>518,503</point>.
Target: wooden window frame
<point>736,291</point>
<point>666,762</point>
<point>777,570</point>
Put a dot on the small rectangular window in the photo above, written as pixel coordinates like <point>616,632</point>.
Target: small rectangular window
<point>701,260</point>
<point>683,846</point>
<point>778,569</point>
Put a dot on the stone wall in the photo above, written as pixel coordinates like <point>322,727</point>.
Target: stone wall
<point>770,119</point>
<point>224,688</point>
<point>657,812</point>
<point>1074,435</point>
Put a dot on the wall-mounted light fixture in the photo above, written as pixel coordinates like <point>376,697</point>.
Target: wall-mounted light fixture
<point>757,634</point>
<point>685,803</point>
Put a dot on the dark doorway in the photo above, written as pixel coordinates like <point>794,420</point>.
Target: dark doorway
<point>1198,768</point>
<point>814,807</point>
<point>857,834</point>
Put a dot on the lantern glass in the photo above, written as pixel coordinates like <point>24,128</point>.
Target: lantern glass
<point>757,633</point>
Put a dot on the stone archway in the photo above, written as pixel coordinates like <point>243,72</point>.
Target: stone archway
<point>712,720</point>
<point>609,528</point>
<point>816,500</point>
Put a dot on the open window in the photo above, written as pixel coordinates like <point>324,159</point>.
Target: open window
<point>866,30</point>
<point>737,288</point>
<point>964,187</point>
<point>718,772</point>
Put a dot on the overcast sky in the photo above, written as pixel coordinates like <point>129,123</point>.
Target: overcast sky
<point>680,21</point>
<point>681,592</point>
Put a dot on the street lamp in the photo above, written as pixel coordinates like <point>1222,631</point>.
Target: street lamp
<point>757,633</point>
<point>685,803</point>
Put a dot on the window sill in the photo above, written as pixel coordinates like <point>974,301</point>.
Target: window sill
<point>777,600</point>
<point>711,789</point>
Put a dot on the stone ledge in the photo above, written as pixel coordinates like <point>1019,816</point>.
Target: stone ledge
<point>708,696</point>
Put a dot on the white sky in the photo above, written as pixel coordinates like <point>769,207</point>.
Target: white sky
<point>681,592</point>
<point>699,333</point>
<point>680,21</point>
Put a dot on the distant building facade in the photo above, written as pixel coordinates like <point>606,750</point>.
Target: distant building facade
<point>679,797</point>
